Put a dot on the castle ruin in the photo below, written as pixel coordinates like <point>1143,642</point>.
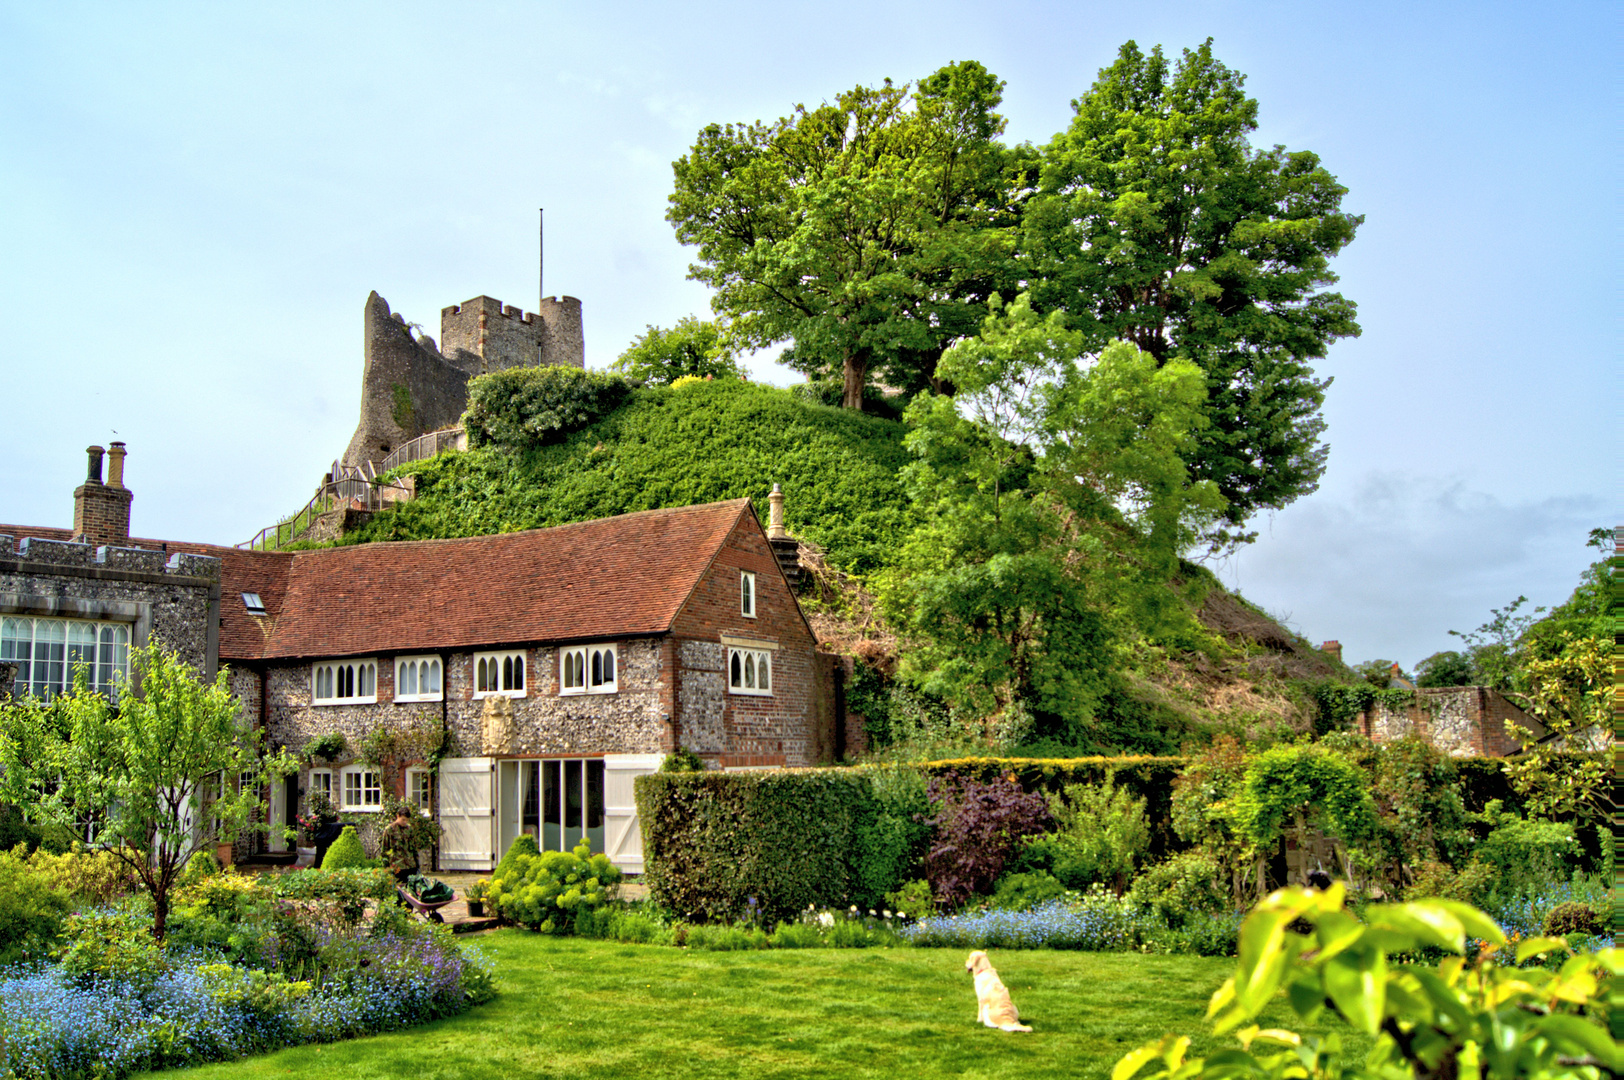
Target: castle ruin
<point>410,386</point>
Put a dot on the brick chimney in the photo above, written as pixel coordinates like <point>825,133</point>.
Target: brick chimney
<point>101,512</point>
<point>1333,649</point>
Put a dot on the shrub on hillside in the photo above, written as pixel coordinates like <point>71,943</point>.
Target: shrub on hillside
<point>346,852</point>
<point>523,407</point>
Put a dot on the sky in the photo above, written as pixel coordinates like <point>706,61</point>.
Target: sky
<point>196,199</point>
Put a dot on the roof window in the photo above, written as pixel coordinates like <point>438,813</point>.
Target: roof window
<point>253,603</point>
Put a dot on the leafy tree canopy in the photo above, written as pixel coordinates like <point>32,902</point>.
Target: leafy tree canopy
<point>868,231</point>
<point>658,357</point>
<point>1052,502</point>
<point>143,777</point>
<point>1157,221</point>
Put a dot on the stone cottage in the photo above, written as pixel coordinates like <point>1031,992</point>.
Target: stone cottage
<point>546,669</point>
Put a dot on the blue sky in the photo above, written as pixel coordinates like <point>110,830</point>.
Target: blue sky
<point>195,201</point>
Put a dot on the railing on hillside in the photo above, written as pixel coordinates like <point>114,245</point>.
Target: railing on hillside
<point>425,446</point>
<point>354,487</point>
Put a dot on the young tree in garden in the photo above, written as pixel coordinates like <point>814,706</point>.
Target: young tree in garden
<point>1052,499</point>
<point>1157,221</point>
<point>869,231</point>
<point>660,357</point>
<point>167,772</point>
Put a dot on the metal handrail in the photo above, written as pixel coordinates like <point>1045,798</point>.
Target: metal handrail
<point>354,489</point>
<point>424,446</point>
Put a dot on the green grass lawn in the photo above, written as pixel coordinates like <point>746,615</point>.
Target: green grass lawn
<point>572,1008</point>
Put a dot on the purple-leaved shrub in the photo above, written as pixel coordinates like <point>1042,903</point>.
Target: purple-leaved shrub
<point>976,828</point>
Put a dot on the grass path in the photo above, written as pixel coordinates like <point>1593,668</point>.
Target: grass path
<point>572,1008</point>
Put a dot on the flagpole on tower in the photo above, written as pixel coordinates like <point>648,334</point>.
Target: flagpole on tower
<point>541,249</point>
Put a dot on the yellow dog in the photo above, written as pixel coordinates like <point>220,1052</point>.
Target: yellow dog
<point>993,1006</point>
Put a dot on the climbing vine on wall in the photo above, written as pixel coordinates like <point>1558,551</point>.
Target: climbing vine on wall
<point>1339,704</point>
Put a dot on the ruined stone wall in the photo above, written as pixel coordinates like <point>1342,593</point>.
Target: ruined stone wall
<point>411,386</point>
<point>793,726</point>
<point>1462,721</point>
<point>173,599</point>
<point>407,387</point>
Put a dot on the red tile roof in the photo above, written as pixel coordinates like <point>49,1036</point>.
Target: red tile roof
<point>614,577</point>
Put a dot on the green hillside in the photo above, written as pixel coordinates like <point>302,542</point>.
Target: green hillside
<point>665,446</point>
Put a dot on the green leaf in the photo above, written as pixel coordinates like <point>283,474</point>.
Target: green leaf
<point>1474,921</point>
<point>1444,999</point>
<point>1134,1060</point>
<point>1426,921</point>
<point>1539,946</point>
<point>1306,996</point>
<point>1336,930</point>
<point>1571,1032</point>
<point>1357,982</point>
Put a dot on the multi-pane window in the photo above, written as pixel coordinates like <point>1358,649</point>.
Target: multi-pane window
<point>747,593</point>
<point>346,682</point>
<point>417,678</point>
<point>50,652</point>
<point>499,673</point>
<point>749,671</point>
<point>560,801</point>
<point>588,669</point>
<point>362,790</point>
<point>418,790</point>
<point>321,783</point>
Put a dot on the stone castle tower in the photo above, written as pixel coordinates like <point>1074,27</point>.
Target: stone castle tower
<point>411,386</point>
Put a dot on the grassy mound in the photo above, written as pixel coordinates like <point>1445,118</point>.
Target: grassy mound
<point>699,443</point>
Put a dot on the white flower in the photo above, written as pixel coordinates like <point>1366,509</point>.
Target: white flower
<point>854,909</point>
<point>887,914</point>
<point>826,919</point>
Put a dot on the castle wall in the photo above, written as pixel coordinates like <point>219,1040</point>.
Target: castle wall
<point>407,388</point>
<point>484,334</point>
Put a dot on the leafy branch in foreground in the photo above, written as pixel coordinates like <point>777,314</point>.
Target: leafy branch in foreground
<point>1481,1019</point>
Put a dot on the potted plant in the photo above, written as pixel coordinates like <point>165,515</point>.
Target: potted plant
<point>319,813</point>
<point>475,895</point>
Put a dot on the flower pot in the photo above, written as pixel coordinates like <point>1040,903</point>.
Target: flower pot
<point>223,853</point>
<point>476,907</point>
<point>307,857</point>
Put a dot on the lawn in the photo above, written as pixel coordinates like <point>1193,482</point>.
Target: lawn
<point>589,1008</point>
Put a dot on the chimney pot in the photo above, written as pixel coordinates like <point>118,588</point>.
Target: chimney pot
<point>93,476</point>
<point>115,465</point>
<point>775,515</point>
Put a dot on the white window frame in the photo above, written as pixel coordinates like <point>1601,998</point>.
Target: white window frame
<point>418,776</point>
<point>46,662</point>
<point>420,666</point>
<point>503,673</point>
<point>750,662</point>
<point>591,661</point>
<point>312,788</point>
<point>328,677</point>
<point>362,789</point>
<point>747,594</point>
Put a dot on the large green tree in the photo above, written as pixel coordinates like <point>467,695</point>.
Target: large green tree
<point>1157,222</point>
<point>869,232</point>
<point>1053,503</point>
<point>166,772</point>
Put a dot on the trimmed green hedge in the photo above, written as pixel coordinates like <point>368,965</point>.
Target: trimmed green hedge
<point>714,840</point>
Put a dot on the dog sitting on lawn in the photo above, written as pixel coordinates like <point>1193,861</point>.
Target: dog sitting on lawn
<point>993,1006</point>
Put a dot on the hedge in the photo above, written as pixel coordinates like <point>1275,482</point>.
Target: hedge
<point>832,837</point>
<point>714,841</point>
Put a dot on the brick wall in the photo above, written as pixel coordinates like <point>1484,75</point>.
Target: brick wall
<point>792,726</point>
<point>1462,721</point>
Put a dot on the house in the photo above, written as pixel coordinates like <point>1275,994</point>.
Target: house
<point>518,683</point>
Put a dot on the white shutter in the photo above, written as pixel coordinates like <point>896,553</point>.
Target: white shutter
<point>467,800</point>
<point>622,832</point>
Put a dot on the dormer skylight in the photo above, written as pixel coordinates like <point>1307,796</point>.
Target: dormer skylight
<point>253,603</point>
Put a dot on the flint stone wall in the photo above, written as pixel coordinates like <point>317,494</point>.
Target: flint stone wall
<point>172,599</point>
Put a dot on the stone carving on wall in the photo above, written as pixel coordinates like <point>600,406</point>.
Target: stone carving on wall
<point>496,726</point>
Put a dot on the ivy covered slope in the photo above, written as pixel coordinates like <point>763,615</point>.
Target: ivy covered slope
<point>666,446</point>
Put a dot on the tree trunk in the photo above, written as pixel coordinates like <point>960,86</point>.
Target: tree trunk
<point>855,374</point>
